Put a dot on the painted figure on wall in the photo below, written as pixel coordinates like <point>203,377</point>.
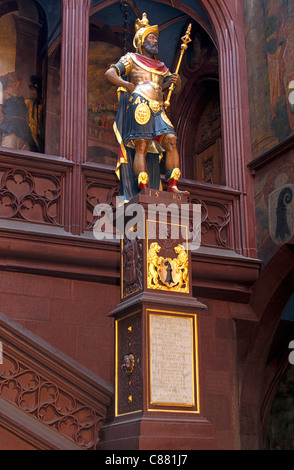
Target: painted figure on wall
<point>289,61</point>
<point>274,198</point>
<point>14,129</point>
<point>201,49</point>
<point>280,55</point>
<point>35,110</point>
<point>102,104</point>
<point>283,229</point>
<point>142,126</point>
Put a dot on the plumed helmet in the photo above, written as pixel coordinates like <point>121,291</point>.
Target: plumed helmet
<point>143,28</point>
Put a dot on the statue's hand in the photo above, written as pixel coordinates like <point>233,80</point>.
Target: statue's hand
<point>176,79</point>
<point>130,86</point>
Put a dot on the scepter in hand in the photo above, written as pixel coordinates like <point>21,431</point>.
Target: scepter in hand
<point>185,40</point>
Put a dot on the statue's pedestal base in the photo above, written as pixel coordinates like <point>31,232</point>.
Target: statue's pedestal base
<point>158,400</point>
<point>161,433</point>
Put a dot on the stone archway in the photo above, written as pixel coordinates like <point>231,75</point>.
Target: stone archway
<point>227,21</point>
<point>226,29</point>
<point>260,374</point>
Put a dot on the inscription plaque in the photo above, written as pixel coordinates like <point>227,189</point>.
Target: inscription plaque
<point>173,375</point>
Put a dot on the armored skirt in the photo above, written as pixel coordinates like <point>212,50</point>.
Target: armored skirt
<point>143,118</point>
<point>146,119</point>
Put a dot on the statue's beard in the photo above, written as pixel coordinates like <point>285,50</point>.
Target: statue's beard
<point>151,48</point>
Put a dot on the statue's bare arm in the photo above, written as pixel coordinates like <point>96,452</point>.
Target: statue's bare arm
<point>115,79</point>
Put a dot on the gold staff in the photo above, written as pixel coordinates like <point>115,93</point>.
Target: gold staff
<point>185,39</point>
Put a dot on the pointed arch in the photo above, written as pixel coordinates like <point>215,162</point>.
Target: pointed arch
<point>257,391</point>
<point>224,25</point>
<point>227,21</point>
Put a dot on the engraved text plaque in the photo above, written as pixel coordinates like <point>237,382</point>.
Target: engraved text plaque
<point>173,362</point>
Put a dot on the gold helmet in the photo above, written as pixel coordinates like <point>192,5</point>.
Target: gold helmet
<point>142,30</point>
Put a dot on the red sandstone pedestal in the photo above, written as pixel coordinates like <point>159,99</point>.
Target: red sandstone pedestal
<point>158,401</point>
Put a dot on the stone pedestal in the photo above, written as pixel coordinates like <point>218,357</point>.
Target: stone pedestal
<point>158,402</point>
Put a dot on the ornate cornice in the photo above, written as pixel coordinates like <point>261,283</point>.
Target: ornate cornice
<point>271,155</point>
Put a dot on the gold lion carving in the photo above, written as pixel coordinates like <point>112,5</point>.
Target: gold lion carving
<point>179,269</point>
<point>154,262</point>
<point>183,263</point>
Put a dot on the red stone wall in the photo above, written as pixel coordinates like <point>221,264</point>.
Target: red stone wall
<point>71,315</point>
<point>218,382</point>
<point>9,441</point>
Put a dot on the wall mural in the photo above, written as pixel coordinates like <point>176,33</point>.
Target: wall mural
<point>274,197</point>
<point>270,71</point>
<point>7,44</point>
<point>271,85</point>
<point>102,104</point>
<point>280,57</point>
<point>21,109</point>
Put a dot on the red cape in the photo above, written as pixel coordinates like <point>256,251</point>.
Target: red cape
<point>151,63</point>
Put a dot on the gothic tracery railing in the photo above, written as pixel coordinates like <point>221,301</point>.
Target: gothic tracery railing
<point>42,190</point>
<point>50,387</point>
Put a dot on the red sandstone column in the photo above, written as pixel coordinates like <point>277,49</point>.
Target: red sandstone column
<point>227,17</point>
<point>74,99</point>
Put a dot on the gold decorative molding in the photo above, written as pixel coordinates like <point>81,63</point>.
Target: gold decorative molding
<point>172,357</point>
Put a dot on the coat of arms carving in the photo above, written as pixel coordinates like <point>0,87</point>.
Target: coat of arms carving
<point>281,213</point>
<point>167,273</point>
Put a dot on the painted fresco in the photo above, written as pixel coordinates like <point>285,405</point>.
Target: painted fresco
<point>271,93</point>
<point>280,56</point>
<point>274,198</point>
<point>102,104</point>
<point>15,131</point>
<point>21,108</point>
<point>270,71</point>
<point>7,44</point>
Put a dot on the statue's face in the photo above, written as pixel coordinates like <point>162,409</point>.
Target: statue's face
<point>151,44</point>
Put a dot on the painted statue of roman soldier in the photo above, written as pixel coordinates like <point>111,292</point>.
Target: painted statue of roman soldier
<point>142,127</point>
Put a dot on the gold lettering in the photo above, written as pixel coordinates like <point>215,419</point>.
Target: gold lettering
<point>177,197</point>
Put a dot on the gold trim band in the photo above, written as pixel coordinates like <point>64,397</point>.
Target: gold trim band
<point>154,105</point>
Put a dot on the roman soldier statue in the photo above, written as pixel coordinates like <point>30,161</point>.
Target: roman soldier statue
<point>142,127</point>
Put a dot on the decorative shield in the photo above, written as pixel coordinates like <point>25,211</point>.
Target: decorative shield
<point>168,272</point>
<point>142,113</point>
<point>281,214</point>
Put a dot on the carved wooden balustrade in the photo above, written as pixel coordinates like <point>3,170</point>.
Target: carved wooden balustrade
<point>217,207</point>
<point>51,388</point>
<point>39,189</point>
<point>34,188</point>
